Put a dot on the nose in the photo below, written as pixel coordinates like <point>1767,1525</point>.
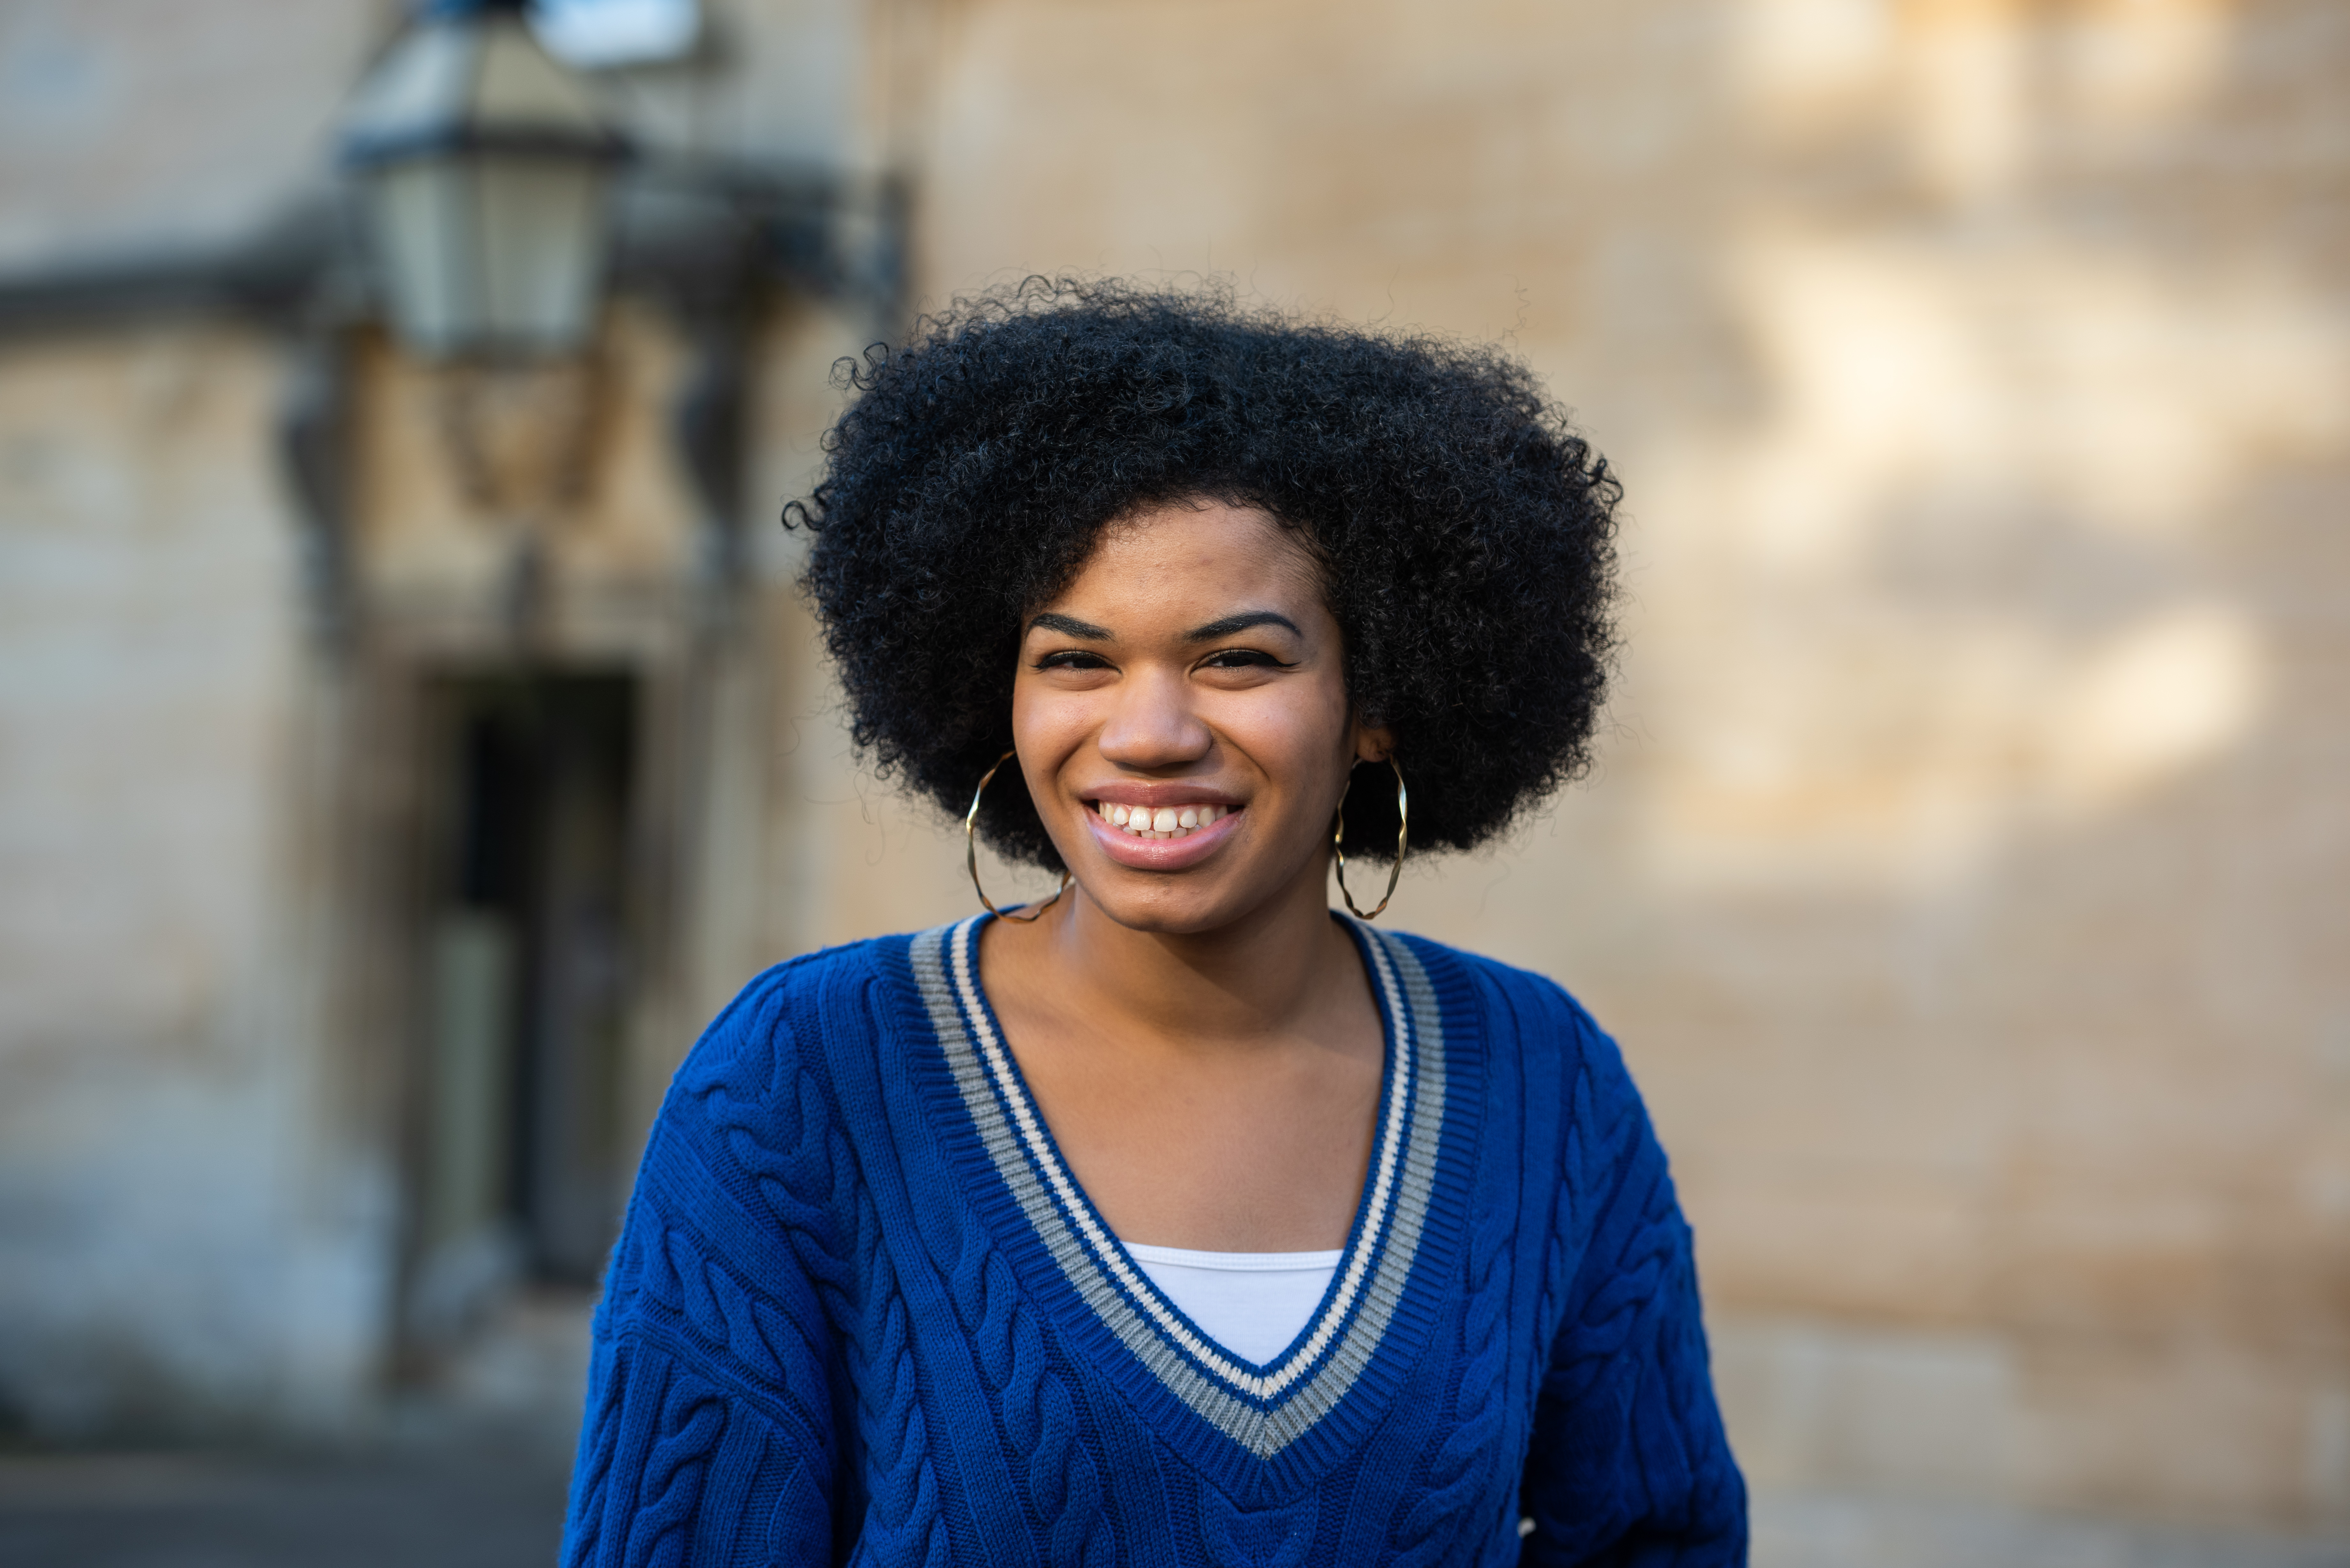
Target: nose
<point>1152,727</point>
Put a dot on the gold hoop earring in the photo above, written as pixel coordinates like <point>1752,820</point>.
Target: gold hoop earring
<point>971,852</point>
<point>1403,836</point>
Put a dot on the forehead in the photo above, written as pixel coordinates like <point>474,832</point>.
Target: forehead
<point>1183,557</point>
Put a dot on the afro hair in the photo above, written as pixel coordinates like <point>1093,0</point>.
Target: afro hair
<point>1463,530</point>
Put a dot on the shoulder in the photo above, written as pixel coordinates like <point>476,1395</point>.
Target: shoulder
<point>758,1099</point>
<point>789,1017</point>
<point>748,1150</point>
<point>746,1212</point>
<point>1548,1068</point>
<point>1520,1014</point>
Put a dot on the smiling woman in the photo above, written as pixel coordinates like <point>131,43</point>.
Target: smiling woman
<point>1176,1219</point>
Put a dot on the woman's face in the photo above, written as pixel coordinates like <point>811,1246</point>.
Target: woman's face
<point>1191,682</point>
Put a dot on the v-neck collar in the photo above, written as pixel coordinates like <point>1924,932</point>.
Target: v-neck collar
<point>1371,1321</point>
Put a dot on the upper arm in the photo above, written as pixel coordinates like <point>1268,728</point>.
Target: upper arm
<point>675,1466</point>
<point>709,1434</point>
<point>1628,1462</point>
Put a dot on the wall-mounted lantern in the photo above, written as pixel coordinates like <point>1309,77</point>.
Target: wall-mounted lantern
<point>484,165</point>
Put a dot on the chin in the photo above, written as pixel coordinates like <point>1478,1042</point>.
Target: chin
<point>1184,903</point>
<point>1167,904</point>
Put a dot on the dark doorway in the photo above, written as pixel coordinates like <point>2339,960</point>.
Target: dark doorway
<point>528,983</point>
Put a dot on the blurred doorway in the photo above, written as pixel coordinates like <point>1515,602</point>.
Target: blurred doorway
<point>527,983</point>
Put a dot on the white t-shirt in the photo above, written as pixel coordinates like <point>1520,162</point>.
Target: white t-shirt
<point>1252,1303</point>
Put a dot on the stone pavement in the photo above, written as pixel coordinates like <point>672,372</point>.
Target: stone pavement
<point>461,1507</point>
<point>471,1504</point>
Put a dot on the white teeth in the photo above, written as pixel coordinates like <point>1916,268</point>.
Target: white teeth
<point>1165,822</point>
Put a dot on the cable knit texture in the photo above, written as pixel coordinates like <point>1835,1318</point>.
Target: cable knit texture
<point>832,1332</point>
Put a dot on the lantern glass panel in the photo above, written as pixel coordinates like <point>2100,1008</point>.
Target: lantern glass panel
<point>491,253</point>
<point>541,249</point>
<point>420,212</point>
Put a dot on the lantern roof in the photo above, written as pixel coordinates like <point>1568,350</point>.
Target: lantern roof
<point>468,77</point>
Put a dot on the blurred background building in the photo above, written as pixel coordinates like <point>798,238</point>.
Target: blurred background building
<point>400,758</point>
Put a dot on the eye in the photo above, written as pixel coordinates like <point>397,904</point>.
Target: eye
<point>1242,658</point>
<point>1072,658</point>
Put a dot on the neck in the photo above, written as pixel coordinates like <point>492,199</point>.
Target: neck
<point>1234,988</point>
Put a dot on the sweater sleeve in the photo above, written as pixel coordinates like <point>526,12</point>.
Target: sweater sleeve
<point>709,1435</point>
<point>1628,1464</point>
<point>674,1468</point>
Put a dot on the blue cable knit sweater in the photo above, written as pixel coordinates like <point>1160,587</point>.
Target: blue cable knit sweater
<point>860,1312</point>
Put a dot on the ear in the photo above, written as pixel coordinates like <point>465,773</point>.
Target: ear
<point>1372,742</point>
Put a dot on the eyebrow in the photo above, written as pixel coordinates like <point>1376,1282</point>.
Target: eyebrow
<point>1070,625</point>
<point>1243,622</point>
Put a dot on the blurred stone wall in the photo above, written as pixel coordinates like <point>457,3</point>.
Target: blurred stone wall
<point>189,1236</point>
<point>138,126</point>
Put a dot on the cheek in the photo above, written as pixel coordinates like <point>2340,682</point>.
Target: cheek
<point>1296,738</point>
<point>1047,723</point>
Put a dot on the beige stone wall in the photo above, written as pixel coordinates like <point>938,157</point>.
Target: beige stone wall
<point>1964,872</point>
<point>189,1235</point>
<point>134,127</point>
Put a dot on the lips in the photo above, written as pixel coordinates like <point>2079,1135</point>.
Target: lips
<point>1140,841</point>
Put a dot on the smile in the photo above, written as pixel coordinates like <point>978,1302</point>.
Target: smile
<point>1162,821</point>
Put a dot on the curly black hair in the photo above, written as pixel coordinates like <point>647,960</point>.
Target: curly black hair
<point>1463,531</point>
